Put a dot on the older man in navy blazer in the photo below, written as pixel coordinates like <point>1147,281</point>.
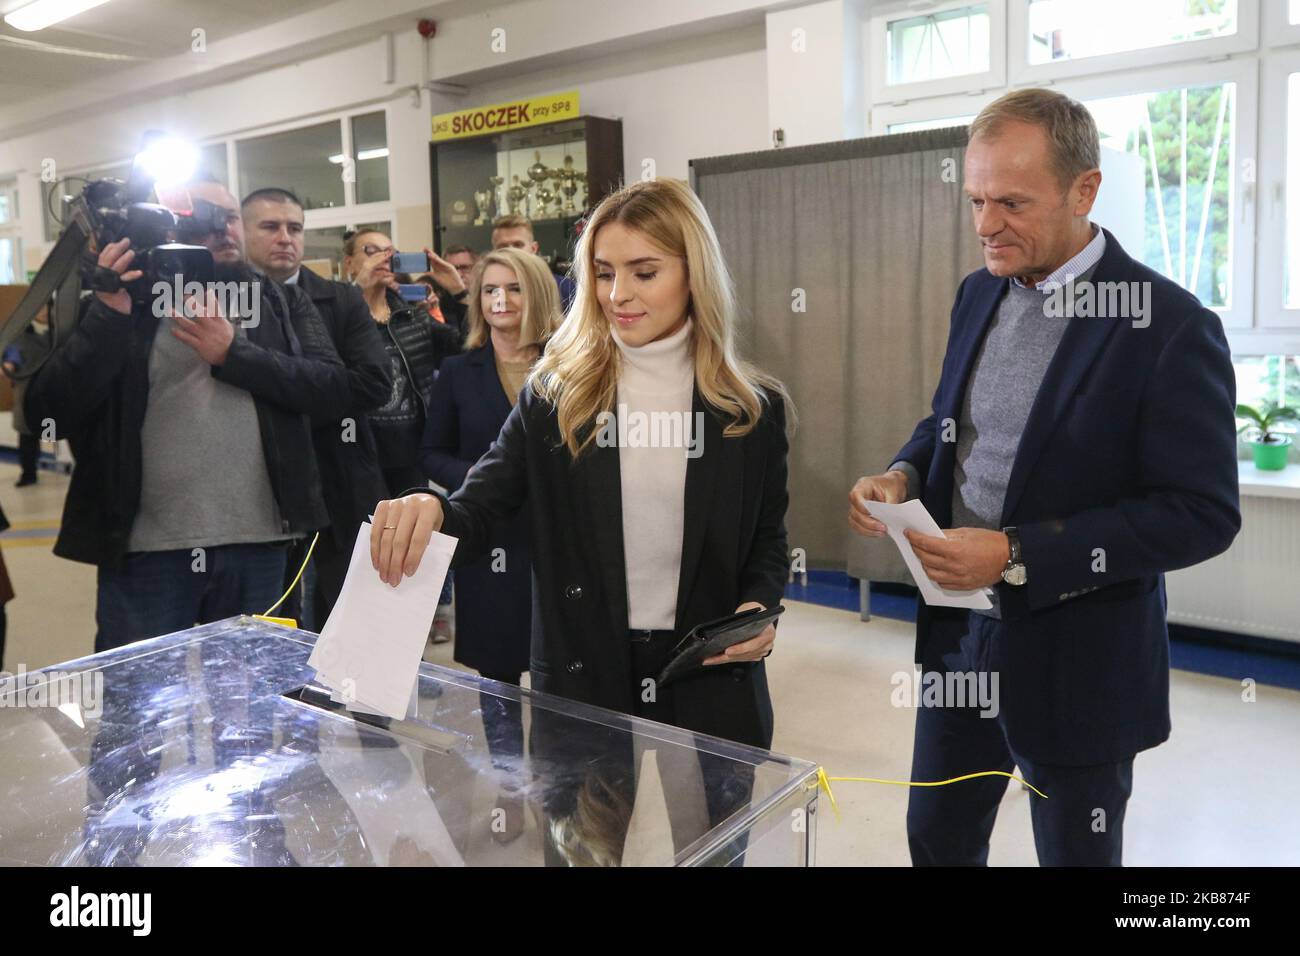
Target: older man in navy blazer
<point>1081,444</point>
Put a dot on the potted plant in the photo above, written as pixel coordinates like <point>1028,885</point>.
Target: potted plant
<point>1270,446</point>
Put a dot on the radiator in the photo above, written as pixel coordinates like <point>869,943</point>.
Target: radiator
<point>1254,586</point>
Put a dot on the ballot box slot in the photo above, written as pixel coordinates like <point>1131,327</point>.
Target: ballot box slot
<point>438,739</point>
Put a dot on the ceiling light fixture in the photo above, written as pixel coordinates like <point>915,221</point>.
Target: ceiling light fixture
<point>45,13</point>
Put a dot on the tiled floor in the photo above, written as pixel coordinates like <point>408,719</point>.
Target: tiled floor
<point>1220,792</point>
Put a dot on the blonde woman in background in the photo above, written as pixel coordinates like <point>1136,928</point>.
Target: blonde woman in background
<point>513,308</point>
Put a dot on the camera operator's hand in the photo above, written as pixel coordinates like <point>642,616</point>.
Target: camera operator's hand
<point>208,332</point>
<point>444,273</point>
<point>117,256</point>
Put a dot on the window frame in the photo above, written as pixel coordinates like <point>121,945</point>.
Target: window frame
<point>1022,72</point>
<point>876,33</point>
<point>1278,30</point>
<point>1270,259</point>
<point>884,115</point>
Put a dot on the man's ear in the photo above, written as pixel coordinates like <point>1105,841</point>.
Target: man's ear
<point>1085,190</point>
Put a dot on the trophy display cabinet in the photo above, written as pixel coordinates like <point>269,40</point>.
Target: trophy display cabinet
<point>553,173</point>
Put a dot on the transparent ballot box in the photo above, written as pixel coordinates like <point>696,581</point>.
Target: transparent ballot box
<point>214,746</point>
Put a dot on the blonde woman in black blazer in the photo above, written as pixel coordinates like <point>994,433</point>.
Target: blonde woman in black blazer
<point>633,545</point>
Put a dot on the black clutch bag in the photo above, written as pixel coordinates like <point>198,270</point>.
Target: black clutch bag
<point>713,637</point>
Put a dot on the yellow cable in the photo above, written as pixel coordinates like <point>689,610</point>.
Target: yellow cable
<point>296,579</point>
<point>824,782</point>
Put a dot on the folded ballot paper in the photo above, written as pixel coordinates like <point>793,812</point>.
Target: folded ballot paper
<point>912,514</point>
<point>369,651</point>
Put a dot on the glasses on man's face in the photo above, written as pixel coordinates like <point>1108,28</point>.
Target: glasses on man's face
<point>375,250</point>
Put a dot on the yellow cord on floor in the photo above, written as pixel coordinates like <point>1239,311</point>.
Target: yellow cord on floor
<point>288,621</point>
<point>824,783</point>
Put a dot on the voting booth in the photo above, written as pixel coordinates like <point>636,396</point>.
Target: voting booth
<point>215,746</point>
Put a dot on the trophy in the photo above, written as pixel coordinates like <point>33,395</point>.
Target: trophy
<point>557,190</point>
<point>538,172</point>
<point>544,199</point>
<point>482,201</point>
<point>498,202</point>
<point>570,189</point>
<point>516,195</point>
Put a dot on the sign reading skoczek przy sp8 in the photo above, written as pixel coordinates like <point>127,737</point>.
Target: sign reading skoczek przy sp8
<point>499,117</point>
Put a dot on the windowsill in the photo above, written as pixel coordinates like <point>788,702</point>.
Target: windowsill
<point>1268,484</point>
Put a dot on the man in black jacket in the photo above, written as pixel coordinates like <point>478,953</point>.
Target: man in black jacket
<point>192,440</point>
<point>345,450</point>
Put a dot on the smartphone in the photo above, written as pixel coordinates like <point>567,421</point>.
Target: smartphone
<point>413,262</point>
<point>413,292</point>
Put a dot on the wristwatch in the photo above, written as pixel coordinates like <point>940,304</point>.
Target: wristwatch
<point>1014,573</point>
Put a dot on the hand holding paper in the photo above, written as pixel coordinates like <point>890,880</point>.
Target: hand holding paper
<point>369,650</point>
<point>913,515</point>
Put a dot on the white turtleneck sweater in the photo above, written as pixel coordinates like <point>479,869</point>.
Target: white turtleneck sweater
<point>657,377</point>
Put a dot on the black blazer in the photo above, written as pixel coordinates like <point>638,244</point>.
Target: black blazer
<point>345,449</point>
<point>493,603</point>
<point>1129,454</point>
<point>734,550</point>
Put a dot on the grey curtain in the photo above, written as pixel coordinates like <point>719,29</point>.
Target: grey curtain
<point>874,235</point>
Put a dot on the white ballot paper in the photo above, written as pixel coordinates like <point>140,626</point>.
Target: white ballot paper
<point>369,651</point>
<point>912,514</point>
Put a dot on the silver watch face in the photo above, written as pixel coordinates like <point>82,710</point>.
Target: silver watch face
<point>1015,575</point>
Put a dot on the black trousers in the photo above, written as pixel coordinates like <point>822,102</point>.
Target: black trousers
<point>29,452</point>
<point>1080,824</point>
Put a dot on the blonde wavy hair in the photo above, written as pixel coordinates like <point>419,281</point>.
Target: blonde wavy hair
<point>579,372</point>
<point>541,312</point>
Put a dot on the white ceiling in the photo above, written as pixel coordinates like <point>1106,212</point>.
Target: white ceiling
<point>146,30</point>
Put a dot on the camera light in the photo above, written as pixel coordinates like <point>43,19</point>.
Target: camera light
<point>169,160</point>
<point>44,13</point>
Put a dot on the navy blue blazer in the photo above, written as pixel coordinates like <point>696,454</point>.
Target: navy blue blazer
<point>493,606</point>
<point>1127,468</point>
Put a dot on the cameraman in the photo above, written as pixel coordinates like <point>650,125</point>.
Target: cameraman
<point>194,465</point>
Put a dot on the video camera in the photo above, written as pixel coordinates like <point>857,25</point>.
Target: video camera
<point>166,237</point>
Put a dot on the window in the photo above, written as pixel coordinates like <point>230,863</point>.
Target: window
<point>11,244</point>
<point>936,45</point>
<point>1070,30</point>
<point>1291,272</point>
<point>212,161</point>
<point>370,149</point>
<point>1050,39</point>
<point>297,159</point>
<point>1185,139</point>
<point>952,48</point>
<point>1278,250</point>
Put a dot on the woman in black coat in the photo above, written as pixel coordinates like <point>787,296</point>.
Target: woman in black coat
<point>653,462</point>
<point>513,308</point>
